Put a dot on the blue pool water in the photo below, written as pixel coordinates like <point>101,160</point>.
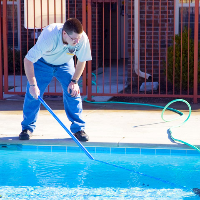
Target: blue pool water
<point>46,174</point>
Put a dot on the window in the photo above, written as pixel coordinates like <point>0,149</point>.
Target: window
<point>185,15</point>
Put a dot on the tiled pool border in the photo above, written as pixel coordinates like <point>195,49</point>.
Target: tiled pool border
<point>111,150</point>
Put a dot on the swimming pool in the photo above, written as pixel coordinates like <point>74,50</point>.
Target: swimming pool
<point>60,172</point>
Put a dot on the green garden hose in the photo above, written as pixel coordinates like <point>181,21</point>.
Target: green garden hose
<point>164,108</point>
<point>170,129</point>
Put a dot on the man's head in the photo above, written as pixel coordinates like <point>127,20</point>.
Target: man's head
<point>72,31</point>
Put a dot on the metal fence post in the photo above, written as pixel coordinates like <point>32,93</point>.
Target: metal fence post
<point>84,28</point>
<point>1,66</point>
<point>89,78</point>
<point>196,28</point>
<point>5,45</point>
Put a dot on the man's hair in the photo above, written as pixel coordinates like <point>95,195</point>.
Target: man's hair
<point>73,25</point>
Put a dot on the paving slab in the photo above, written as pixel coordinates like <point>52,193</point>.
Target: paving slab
<point>110,125</point>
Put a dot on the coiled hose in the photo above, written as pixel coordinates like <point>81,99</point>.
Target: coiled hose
<point>162,115</point>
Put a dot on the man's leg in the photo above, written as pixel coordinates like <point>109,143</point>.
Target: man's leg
<point>43,74</point>
<point>73,105</point>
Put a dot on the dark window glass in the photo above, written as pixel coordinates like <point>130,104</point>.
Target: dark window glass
<point>187,18</point>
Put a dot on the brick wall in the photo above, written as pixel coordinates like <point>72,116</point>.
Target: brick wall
<point>152,39</point>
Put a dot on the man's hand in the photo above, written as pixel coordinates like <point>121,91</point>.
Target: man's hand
<point>73,89</point>
<point>34,91</point>
<point>29,71</point>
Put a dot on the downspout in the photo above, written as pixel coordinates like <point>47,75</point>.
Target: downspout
<point>137,43</point>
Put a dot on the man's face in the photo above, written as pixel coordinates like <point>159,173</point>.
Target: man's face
<point>71,39</point>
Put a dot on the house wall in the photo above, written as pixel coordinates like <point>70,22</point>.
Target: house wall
<point>156,30</point>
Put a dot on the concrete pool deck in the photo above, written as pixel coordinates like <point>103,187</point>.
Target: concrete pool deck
<point>109,125</point>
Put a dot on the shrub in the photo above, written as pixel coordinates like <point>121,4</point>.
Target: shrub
<point>177,67</point>
<point>17,61</point>
<point>10,61</point>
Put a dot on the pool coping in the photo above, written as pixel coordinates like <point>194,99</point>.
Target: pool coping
<point>71,142</point>
<point>110,126</point>
<point>97,149</point>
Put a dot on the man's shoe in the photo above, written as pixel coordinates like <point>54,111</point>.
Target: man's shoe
<point>25,135</point>
<point>81,136</point>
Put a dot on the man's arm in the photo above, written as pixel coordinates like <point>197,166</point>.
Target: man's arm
<point>29,71</point>
<point>78,72</point>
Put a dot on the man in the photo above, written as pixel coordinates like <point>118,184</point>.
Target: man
<point>52,56</point>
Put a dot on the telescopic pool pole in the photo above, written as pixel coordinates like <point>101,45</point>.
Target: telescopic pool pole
<point>66,129</point>
<point>195,190</point>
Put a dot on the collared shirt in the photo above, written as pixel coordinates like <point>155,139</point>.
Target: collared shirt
<point>51,48</point>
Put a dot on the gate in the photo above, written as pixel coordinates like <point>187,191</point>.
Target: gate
<point>140,48</point>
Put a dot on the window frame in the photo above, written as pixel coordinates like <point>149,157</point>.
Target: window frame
<point>177,8</point>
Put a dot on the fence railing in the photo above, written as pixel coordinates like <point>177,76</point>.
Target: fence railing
<point>140,48</point>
